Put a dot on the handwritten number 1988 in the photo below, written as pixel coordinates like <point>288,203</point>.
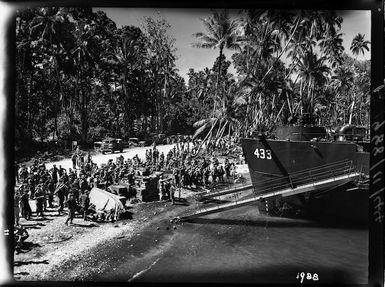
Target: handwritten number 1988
<point>307,276</point>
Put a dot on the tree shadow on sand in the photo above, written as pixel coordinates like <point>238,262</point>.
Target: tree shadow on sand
<point>27,246</point>
<point>181,201</point>
<point>37,225</point>
<point>57,215</point>
<point>88,225</point>
<point>21,263</point>
<point>21,273</point>
<point>45,218</point>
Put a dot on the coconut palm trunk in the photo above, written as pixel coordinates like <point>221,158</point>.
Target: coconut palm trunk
<point>352,108</point>
<point>218,77</point>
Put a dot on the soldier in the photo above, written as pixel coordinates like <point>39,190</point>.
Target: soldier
<point>161,158</point>
<point>74,159</point>
<point>154,155</point>
<point>90,181</point>
<point>183,176</point>
<point>40,198</point>
<point>31,186</point>
<point>227,169</point>
<point>61,191</point>
<point>233,170</point>
<point>83,184</point>
<point>61,170</point>
<point>16,201</point>
<point>20,235</point>
<point>89,158</point>
<point>71,176</point>
<point>75,191</point>
<point>26,210</point>
<point>103,179</point>
<point>23,174</point>
<point>79,160</point>
<point>50,183</point>
<point>96,181</point>
<point>167,188</point>
<point>220,172</point>
<point>172,192</point>
<point>84,203</point>
<point>64,175</point>
<point>161,187</point>
<point>150,156</point>
<point>176,174</point>
<point>55,174</point>
<point>214,173</point>
<point>71,204</point>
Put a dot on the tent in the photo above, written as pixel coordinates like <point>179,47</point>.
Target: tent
<point>106,201</point>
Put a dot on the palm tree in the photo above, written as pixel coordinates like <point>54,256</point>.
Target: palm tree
<point>359,45</point>
<point>47,25</point>
<point>84,59</point>
<point>222,32</point>
<point>313,73</point>
<point>341,83</point>
<point>332,49</point>
<point>225,117</point>
<point>263,32</point>
<point>169,71</point>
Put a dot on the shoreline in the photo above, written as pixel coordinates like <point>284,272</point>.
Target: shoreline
<point>52,244</point>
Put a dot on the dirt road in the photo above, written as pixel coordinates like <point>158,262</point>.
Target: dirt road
<point>100,158</point>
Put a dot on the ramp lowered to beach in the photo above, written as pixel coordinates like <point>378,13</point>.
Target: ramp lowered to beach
<point>324,177</point>
<point>226,191</point>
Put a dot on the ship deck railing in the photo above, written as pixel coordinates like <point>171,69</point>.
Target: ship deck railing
<point>299,182</point>
<point>307,176</point>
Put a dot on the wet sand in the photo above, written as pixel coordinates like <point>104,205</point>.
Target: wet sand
<point>234,246</point>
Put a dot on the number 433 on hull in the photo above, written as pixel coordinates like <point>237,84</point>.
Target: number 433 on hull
<point>262,153</point>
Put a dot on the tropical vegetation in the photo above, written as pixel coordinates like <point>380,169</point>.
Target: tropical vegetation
<point>80,77</point>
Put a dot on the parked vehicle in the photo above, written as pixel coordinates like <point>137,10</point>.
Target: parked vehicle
<point>112,145</point>
<point>133,142</point>
<point>160,139</point>
<point>97,146</point>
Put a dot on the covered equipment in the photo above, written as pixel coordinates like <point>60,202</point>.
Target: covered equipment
<point>106,201</point>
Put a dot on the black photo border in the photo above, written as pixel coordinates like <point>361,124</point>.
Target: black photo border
<point>377,105</point>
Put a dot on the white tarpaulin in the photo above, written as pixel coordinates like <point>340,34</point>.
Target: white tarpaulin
<point>103,200</point>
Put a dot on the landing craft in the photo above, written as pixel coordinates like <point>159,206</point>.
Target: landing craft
<point>324,175</point>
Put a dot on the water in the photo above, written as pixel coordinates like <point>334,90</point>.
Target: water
<point>243,246</point>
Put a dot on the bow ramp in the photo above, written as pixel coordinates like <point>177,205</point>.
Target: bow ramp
<point>226,191</point>
<point>325,177</point>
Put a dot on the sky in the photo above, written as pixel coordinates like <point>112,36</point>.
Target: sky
<point>185,22</point>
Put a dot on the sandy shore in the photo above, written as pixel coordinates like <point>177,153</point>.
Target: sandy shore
<point>52,244</point>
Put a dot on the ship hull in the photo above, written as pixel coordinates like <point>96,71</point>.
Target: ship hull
<point>273,164</point>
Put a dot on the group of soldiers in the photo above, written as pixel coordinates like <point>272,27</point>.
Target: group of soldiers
<point>43,185</point>
<point>71,188</point>
<point>188,169</point>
